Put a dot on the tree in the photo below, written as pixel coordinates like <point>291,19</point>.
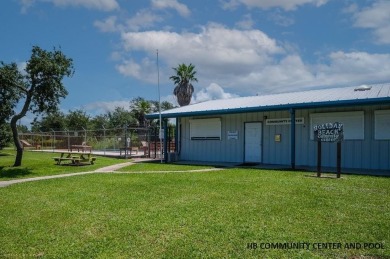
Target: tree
<point>139,107</point>
<point>5,135</point>
<point>98,123</point>
<point>165,105</point>
<point>120,117</point>
<point>51,121</point>
<point>9,96</point>
<point>40,86</point>
<point>183,87</point>
<point>77,120</point>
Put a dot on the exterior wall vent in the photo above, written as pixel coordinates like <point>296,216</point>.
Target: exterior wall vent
<point>363,88</point>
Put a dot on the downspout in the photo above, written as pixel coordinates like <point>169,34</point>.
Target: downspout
<point>177,136</point>
<point>166,141</point>
<point>292,112</point>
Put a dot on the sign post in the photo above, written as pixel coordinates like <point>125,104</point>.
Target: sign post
<point>338,159</point>
<point>329,132</point>
<point>319,158</point>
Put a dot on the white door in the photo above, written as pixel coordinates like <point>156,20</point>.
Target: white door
<point>253,142</point>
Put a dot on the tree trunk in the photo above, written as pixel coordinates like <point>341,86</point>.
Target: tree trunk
<point>18,145</point>
<point>184,93</point>
<point>14,120</point>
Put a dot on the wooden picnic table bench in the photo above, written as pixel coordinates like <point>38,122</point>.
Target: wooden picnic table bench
<point>131,149</point>
<point>82,147</point>
<point>75,158</point>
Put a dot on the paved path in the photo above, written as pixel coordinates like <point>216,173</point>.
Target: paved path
<point>107,169</point>
<point>6,183</point>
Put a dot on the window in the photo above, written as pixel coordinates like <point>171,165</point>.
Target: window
<point>382,124</point>
<point>205,129</point>
<point>353,123</point>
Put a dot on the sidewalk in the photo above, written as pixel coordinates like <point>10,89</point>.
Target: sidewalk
<point>107,169</point>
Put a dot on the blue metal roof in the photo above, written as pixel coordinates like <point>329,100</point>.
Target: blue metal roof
<point>346,96</point>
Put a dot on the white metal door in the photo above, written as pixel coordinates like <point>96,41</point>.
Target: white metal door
<point>253,142</point>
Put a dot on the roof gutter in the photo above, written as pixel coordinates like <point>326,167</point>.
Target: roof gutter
<point>341,103</point>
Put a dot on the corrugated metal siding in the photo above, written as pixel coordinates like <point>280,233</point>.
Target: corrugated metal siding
<point>212,150</point>
<point>276,152</point>
<point>363,154</point>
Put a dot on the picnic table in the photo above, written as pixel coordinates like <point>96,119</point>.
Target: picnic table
<point>75,158</point>
<point>131,149</point>
<point>82,147</point>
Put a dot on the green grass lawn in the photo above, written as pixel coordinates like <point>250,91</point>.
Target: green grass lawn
<point>161,167</point>
<point>36,164</point>
<point>187,215</point>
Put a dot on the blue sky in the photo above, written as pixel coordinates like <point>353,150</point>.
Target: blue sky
<point>239,47</point>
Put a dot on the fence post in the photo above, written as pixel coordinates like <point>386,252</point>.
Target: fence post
<point>104,139</point>
<point>125,141</point>
<point>149,138</point>
<point>41,139</point>
<point>155,143</point>
<point>165,141</point>
<point>85,135</point>
<point>53,140</point>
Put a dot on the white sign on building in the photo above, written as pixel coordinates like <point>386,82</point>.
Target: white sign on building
<point>283,121</point>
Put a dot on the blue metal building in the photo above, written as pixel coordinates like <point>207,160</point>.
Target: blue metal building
<point>258,129</point>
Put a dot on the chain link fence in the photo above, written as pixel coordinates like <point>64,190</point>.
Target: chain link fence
<point>132,141</point>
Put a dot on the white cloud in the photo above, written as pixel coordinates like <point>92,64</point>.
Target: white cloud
<point>281,19</point>
<point>214,39</point>
<point>352,8</point>
<point>108,25</point>
<point>354,68</point>
<point>287,5</point>
<point>22,67</point>
<point>245,62</point>
<point>375,17</point>
<point>26,4</point>
<point>103,5</point>
<point>144,71</point>
<point>212,92</point>
<point>130,68</point>
<point>215,50</point>
<point>173,4</point>
<point>142,19</point>
<point>292,74</point>
<point>246,23</point>
<point>286,75</point>
<point>104,107</point>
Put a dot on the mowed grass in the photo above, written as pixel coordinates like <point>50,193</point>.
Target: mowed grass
<point>194,215</point>
<point>157,166</point>
<point>36,164</point>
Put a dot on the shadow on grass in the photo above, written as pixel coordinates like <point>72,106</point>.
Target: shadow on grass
<point>13,172</point>
<point>5,154</point>
<point>203,164</point>
<point>327,176</point>
<point>74,165</point>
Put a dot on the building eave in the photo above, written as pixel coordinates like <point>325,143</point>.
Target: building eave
<point>297,106</point>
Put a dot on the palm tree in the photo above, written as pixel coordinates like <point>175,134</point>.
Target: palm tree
<point>139,107</point>
<point>183,87</point>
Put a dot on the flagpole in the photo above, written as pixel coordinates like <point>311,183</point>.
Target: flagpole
<point>159,107</point>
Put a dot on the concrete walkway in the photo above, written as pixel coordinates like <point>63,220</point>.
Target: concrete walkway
<point>107,169</point>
